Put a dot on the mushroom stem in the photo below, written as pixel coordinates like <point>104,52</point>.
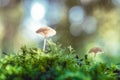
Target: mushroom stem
<point>44,44</point>
<point>94,54</point>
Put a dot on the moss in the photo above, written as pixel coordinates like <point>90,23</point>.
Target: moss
<point>55,63</point>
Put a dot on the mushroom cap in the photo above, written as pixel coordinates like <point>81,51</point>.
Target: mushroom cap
<point>95,50</point>
<point>46,31</point>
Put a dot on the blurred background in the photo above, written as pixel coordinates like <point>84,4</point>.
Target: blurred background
<point>83,24</point>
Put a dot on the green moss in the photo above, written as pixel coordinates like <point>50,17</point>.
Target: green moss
<point>55,63</point>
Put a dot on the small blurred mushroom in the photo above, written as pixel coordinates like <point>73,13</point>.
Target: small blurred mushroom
<point>46,32</point>
<point>95,50</point>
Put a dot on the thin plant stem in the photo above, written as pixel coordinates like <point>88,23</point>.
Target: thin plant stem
<point>44,44</point>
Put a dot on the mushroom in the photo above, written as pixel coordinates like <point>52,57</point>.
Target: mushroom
<point>95,50</point>
<point>46,32</point>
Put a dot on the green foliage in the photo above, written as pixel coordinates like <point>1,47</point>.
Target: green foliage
<point>55,63</point>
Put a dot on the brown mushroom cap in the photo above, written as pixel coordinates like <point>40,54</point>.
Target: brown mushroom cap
<point>46,31</point>
<point>95,50</point>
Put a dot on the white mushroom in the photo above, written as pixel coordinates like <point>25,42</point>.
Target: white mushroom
<point>46,32</point>
<point>95,50</point>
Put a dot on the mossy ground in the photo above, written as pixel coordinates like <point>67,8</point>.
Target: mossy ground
<point>55,63</point>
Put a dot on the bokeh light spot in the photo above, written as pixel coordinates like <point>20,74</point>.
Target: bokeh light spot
<point>4,3</point>
<point>89,25</point>
<point>37,11</point>
<point>116,2</point>
<point>75,29</point>
<point>76,14</point>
